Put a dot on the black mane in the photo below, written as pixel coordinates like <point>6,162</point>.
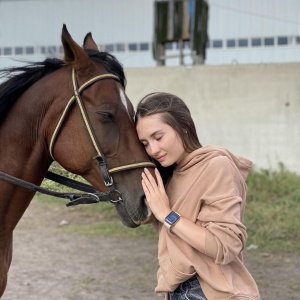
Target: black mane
<point>110,63</point>
<point>21,78</point>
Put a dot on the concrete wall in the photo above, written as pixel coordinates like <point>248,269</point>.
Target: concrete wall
<point>253,110</point>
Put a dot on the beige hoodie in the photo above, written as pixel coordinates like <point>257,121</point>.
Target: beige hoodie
<point>208,187</point>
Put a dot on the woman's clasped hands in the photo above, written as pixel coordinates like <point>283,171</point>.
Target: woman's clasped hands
<point>155,193</point>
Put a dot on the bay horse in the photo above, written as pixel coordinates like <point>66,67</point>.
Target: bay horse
<point>74,111</point>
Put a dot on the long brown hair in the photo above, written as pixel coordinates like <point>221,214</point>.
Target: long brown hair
<point>176,114</point>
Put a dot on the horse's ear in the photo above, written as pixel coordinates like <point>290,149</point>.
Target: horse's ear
<point>89,42</point>
<point>75,56</point>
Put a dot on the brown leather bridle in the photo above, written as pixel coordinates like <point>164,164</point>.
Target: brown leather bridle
<point>100,157</point>
<point>91,194</point>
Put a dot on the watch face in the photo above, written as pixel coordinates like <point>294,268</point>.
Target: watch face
<point>172,217</point>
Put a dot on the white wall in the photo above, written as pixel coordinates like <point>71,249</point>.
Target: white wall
<point>32,22</point>
<point>253,110</point>
<point>38,24</point>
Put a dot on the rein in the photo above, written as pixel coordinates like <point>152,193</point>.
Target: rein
<point>91,195</point>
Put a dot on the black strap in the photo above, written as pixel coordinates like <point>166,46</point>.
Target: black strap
<point>93,196</point>
<point>80,186</point>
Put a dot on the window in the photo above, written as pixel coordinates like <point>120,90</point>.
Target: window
<point>109,48</point>
<point>243,43</point>
<point>207,45</point>
<point>169,46</point>
<point>269,41</point>
<point>297,40</point>
<point>230,43</point>
<point>256,42</point>
<point>18,50</point>
<point>144,46</point>
<point>186,45</point>
<point>7,51</point>
<point>132,47</point>
<point>217,43</point>
<point>52,50</point>
<point>282,40</point>
<point>120,47</point>
<point>42,49</point>
<point>29,50</point>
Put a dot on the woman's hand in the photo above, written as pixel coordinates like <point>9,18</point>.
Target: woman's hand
<point>156,196</point>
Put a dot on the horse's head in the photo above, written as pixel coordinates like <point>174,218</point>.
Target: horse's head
<point>102,131</point>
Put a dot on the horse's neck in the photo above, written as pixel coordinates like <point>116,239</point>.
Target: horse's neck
<point>23,155</point>
<point>22,149</point>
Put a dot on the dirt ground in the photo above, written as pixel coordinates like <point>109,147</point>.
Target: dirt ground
<point>49,264</point>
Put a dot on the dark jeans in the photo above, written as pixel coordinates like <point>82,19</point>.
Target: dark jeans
<point>188,290</point>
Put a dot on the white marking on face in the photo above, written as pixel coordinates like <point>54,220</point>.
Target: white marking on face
<point>123,99</point>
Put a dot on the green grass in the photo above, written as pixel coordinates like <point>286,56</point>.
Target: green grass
<point>112,228</point>
<point>272,213</point>
<point>98,219</point>
<point>273,210</point>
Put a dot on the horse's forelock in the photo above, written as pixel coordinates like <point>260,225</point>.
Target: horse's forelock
<point>109,62</point>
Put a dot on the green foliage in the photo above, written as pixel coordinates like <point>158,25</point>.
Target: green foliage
<point>273,210</point>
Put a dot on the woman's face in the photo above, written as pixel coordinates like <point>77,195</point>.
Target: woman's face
<point>161,141</point>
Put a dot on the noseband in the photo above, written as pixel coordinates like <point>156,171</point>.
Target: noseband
<point>114,194</point>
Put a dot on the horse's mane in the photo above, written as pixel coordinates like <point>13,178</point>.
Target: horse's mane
<point>22,77</point>
<point>110,63</point>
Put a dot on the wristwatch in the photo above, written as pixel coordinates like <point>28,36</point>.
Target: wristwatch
<point>171,219</point>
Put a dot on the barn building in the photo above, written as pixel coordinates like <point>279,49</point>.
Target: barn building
<point>239,32</point>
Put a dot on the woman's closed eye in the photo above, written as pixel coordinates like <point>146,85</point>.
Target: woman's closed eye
<point>158,137</point>
<point>145,143</point>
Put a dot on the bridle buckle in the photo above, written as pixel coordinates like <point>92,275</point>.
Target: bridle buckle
<point>109,183</point>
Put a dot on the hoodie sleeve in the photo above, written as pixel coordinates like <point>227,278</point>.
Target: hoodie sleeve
<point>222,210</point>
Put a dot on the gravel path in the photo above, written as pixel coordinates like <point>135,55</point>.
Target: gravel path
<point>49,264</point>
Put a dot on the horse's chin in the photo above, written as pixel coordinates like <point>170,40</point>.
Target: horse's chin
<point>150,218</point>
<point>130,223</point>
<point>134,220</point>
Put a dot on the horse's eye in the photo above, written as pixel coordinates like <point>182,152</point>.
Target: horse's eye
<point>106,115</point>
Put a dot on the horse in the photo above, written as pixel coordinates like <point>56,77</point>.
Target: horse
<point>73,111</point>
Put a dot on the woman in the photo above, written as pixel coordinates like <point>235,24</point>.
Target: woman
<point>198,201</point>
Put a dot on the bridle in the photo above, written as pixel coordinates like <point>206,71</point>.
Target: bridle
<point>92,196</point>
<point>100,157</point>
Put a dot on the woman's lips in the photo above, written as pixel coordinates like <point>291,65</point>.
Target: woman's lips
<point>161,158</point>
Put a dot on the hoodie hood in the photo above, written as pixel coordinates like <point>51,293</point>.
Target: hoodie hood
<point>206,153</point>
